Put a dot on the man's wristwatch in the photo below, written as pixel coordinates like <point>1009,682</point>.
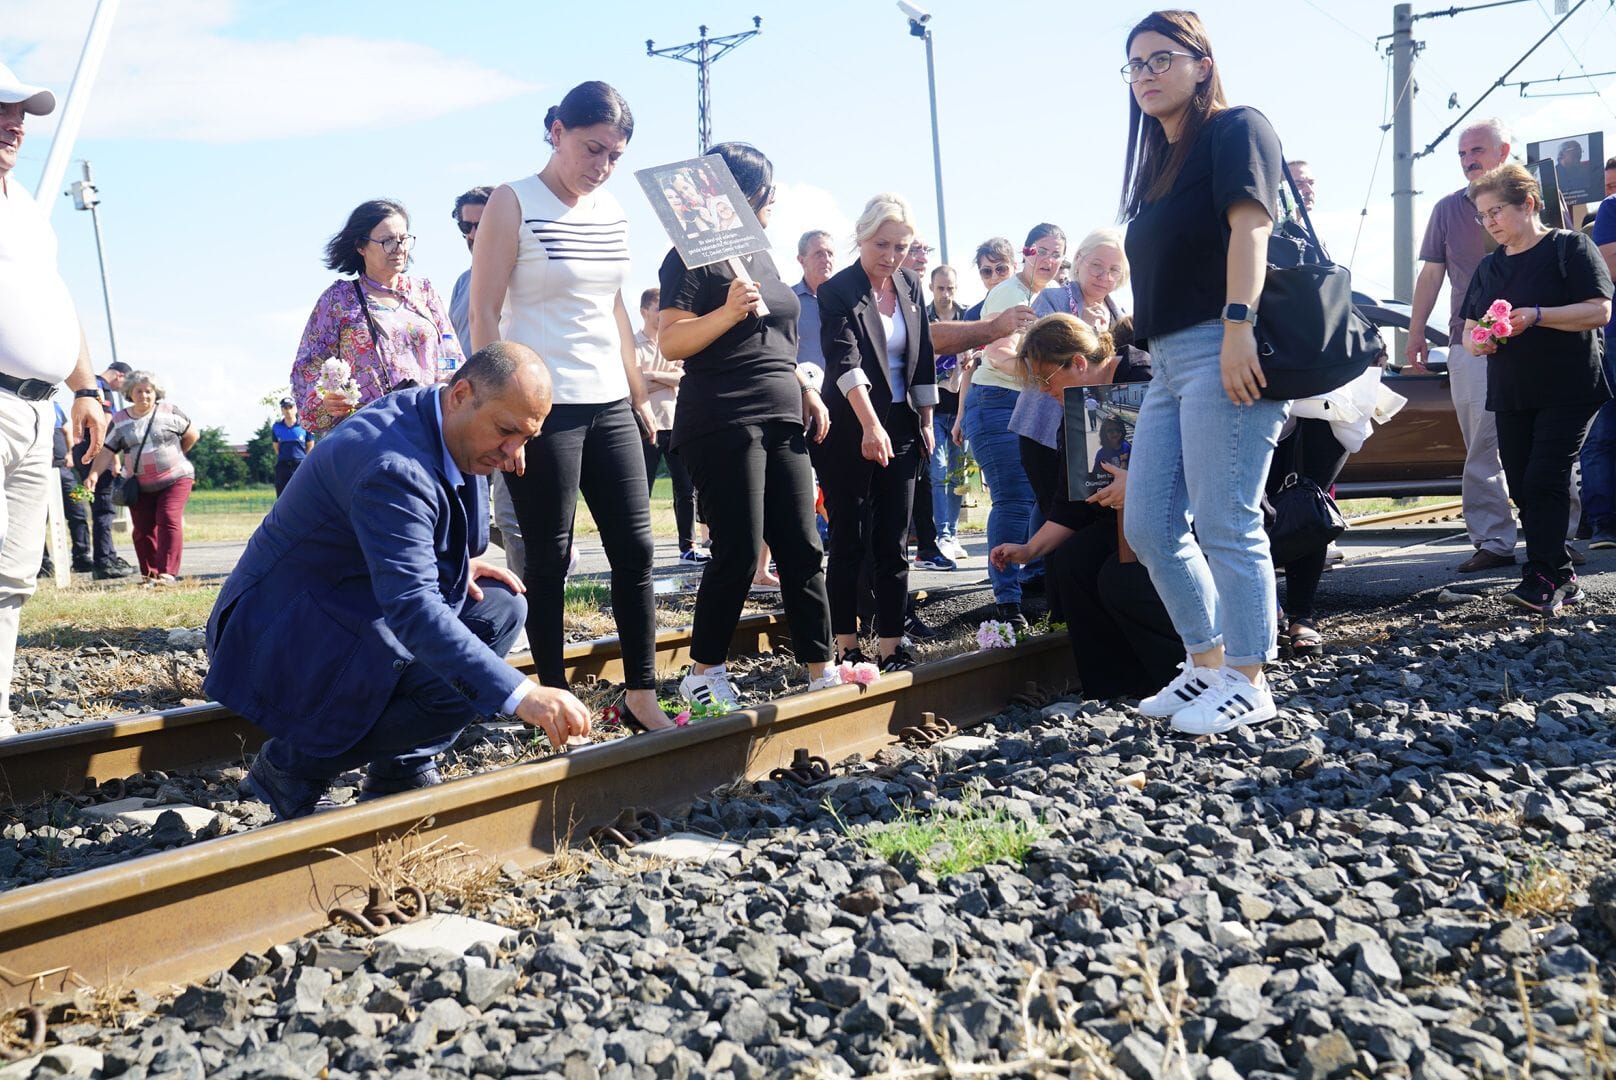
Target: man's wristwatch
<point>1245,313</point>
<point>91,393</point>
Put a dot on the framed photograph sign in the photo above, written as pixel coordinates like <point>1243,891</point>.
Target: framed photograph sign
<point>703,210</point>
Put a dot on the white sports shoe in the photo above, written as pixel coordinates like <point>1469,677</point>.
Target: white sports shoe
<point>1185,688</point>
<point>1231,701</point>
<point>831,678</point>
<point>712,688</point>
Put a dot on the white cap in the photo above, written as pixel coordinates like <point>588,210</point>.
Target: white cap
<point>35,99</point>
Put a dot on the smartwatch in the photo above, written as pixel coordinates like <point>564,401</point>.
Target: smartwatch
<point>93,393</point>
<point>1240,313</point>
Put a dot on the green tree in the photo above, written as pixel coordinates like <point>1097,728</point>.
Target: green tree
<point>217,463</point>
<point>261,455</point>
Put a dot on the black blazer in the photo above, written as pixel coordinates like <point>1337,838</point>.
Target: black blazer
<point>855,344</point>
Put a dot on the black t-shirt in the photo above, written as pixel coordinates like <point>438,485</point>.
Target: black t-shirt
<point>1178,245</point>
<point>748,375</point>
<point>1542,367</point>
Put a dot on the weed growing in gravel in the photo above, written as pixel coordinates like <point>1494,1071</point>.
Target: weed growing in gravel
<point>1539,889</point>
<point>442,867</point>
<point>951,839</point>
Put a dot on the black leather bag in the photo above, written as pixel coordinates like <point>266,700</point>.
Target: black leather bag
<point>1310,340</point>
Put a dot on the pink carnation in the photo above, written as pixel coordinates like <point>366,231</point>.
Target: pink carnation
<point>1481,335</point>
<point>1499,310</point>
<point>682,719</point>
<point>862,674</point>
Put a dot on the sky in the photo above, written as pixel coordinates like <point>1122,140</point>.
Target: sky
<point>231,139</point>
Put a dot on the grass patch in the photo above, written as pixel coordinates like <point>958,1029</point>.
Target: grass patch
<point>1539,889</point>
<point>952,839</point>
<point>70,618</point>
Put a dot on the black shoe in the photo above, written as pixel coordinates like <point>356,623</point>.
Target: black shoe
<point>82,565</point>
<point>916,630</point>
<point>119,560</point>
<point>1011,613</point>
<point>900,660</point>
<point>1538,594</point>
<point>111,568</point>
<point>854,656</point>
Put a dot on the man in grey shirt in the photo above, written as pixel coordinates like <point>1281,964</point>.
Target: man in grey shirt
<point>817,257</point>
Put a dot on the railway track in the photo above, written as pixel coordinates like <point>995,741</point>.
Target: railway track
<point>179,915</point>
<point>1414,515</point>
<point>200,736</point>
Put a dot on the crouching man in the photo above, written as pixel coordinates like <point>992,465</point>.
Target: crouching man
<point>357,628</point>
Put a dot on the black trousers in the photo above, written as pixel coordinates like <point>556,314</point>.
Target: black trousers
<point>283,474</point>
<point>757,488</point>
<point>1123,641</point>
<point>102,511</point>
<point>684,495</point>
<point>1538,448</point>
<point>1310,450</point>
<point>594,450</point>
<point>1043,468</point>
<point>854,487</point>
<point>78,517</point>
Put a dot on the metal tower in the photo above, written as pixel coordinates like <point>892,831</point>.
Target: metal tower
<point>704,52</point>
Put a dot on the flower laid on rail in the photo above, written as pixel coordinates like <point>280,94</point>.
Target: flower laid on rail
<point>996,635</point>
<point>81,494</point>
<point>862,674</point>
<point>1493,326</point>
<point>689,712</point>
<point>682,719</point>
<point>336,377</point>
<point>611,714</point>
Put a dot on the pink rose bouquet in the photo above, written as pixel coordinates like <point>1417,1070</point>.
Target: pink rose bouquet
<point>1493,326</point>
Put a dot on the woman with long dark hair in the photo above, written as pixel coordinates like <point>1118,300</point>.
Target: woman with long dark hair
<point>744,409</point>
<point>880,388</point>
<point>548,271</point>
<point>1201,195</point>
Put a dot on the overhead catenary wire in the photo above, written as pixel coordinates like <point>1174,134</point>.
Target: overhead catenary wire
<point>1577,60</point>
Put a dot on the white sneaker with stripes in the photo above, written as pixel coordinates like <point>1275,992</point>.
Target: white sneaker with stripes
<point>1185,688</point>
<point>710,688</point>
<point>1231,701</point>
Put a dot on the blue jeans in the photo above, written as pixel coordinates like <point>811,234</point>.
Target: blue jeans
<point>997,450</point>
<point>946,459</point>
<point>1599,464</point>
<point>421,720</point>
<point>1197,455</point>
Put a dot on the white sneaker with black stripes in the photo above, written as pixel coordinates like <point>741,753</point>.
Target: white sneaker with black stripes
<point>709,688</point>
<point>1184,689</point>
<point>1231,701</point>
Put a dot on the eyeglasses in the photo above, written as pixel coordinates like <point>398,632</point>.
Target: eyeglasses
<point>994,270</point>
<point>468,227</point>
<point>1157,62</point>
<point>1043,384</point>
<point>919,249</point>
<point>1487,217</point>
<point>396,243</point>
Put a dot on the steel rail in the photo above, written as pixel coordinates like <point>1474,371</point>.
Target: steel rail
<point>199,736</point>
<point>179,915</point>
<point>1414,515</point>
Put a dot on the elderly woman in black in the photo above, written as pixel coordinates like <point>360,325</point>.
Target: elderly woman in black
<point>880,388</point>
<point>1545,379</point>
<point>744,407</point>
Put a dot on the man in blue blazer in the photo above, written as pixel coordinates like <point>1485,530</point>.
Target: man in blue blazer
<point>357,628</point>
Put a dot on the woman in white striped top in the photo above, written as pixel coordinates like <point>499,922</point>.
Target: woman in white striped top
<point>548,271</point>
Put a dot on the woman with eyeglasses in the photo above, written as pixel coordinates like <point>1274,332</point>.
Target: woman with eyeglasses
<point>880,389</point>
<point>746,413</point>
<point>1545,373</point>
<point>1201,195</point>
<point>986,410</point>
<point>548,271</point>
<point>393,330</point>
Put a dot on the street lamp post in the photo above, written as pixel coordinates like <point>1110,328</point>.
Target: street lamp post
<point>919,26</point>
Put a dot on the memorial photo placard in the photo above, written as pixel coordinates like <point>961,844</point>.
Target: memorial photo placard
<point>1099,431</point>
<point>1579,165</point>
<point>703,210</point>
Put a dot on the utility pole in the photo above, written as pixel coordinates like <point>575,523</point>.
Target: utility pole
<point>78,100</point>
<point>87,197</point>
<point>1403,49</point>
<point>704,52</point>
<point>919,26</point>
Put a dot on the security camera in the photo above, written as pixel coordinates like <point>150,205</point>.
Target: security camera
<point>914,13</point>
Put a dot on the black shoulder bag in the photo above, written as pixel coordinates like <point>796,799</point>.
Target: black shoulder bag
<point>127,490</point>
<point>1310,339</point>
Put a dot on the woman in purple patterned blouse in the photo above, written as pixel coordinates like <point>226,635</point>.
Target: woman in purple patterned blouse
<point>379,300</point>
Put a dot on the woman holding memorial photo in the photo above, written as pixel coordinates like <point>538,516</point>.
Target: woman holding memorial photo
<point>548,271</point>
<point>746,413</point>
<point>1201,195</point>
<point>880,388</point>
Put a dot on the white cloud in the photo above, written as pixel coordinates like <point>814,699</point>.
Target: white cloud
<point>173,70</point>
<point>799,207</point>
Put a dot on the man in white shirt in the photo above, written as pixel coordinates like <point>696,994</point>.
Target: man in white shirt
<point>41,345</point>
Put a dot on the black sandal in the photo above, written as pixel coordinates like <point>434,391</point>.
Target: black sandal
<point>1306,639</point>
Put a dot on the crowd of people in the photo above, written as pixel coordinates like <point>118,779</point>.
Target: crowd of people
<point>849,394</point>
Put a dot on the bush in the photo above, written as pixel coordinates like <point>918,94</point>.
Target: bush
<point>217,463</point>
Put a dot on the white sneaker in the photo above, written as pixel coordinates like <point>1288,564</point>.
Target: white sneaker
<point>1184,689</point>
<point>831,678</point>
<point>953,549</point>
<point>712,688</point>
<point>1232,701</point>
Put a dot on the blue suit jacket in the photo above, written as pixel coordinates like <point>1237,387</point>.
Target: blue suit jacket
<point>359,570</point>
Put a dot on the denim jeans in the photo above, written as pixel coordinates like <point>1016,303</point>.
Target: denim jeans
<point>420,721</point>
<point>946,459</point>
<point>1197,455</point>
<point>997,450</point>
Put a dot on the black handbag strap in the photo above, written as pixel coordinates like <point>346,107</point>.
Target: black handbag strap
<point>375,337</point>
